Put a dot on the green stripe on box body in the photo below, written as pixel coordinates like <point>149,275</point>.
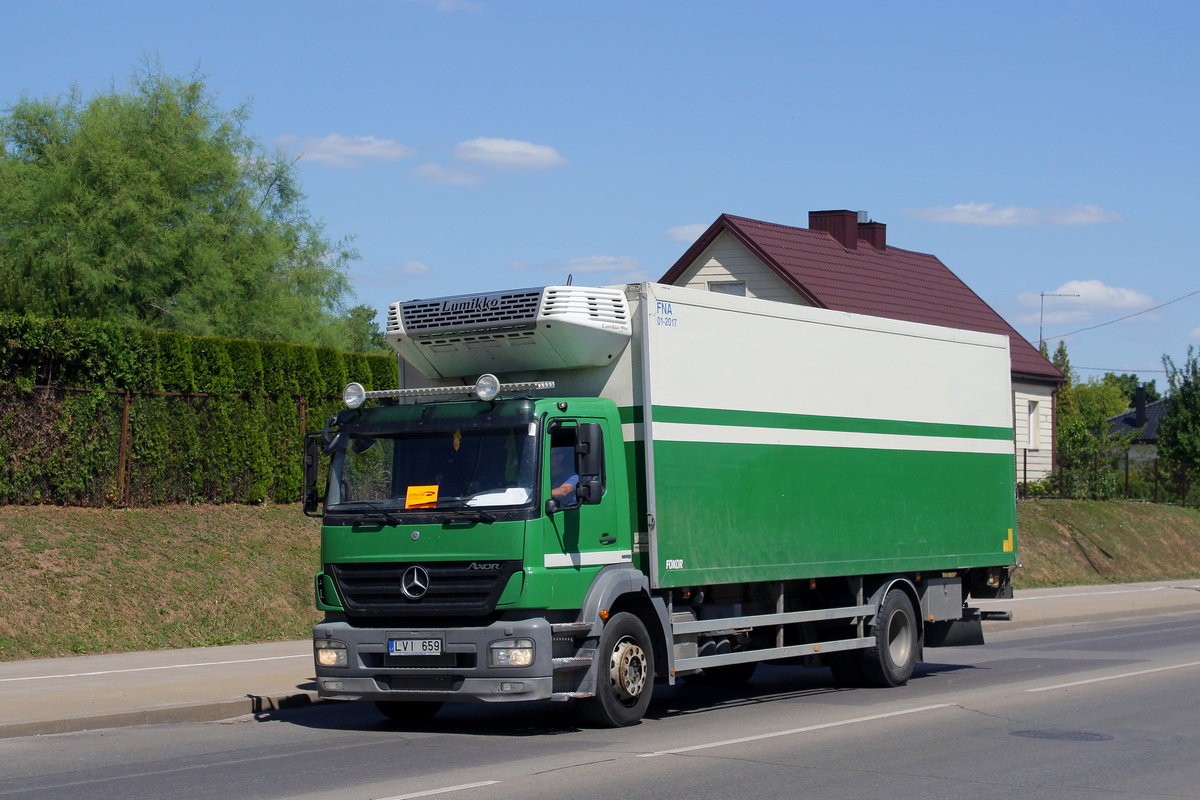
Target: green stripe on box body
<point>810,512</point>
<point>814,496</point>
<point>767,419</point>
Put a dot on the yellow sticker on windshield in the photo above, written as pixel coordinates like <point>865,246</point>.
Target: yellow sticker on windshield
<point>457,440</point>
<point>421,497</point>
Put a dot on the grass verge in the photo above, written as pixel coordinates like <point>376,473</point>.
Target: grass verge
<point>1073,542</point>
<point>102,580</point>
<point>86,580</point>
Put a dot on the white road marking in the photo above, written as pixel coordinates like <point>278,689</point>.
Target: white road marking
<point>431,792</point>
<point>148,669</point>
<point>1078,594</point>
<point>1114,677</point>
<point>792,731</point>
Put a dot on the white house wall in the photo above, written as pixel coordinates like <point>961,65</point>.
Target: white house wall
<point>727,259</point>
<point>1035,456</point>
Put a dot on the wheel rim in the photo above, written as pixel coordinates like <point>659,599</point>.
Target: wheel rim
<point>899,638</point>
<point>627,667</point>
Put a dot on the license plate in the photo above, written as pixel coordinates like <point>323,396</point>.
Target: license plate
<point>414,647</point>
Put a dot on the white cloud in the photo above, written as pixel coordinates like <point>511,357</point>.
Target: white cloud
<point>1084,299</point>
<point>453,5</point>
<point>415,268</point>
<point>686,233</point>
<point>1013,216</point>
<point>1194,334</point>
<point>451,176</point>
<point>509,154</point>
<point>344,152</point>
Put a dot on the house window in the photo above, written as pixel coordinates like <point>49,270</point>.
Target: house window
<point>728,287</point>
<point>1035,426</point>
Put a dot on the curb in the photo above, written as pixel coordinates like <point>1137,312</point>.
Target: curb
<point>205,711</point>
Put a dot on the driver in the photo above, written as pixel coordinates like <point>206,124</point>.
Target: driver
<point>563,478</point>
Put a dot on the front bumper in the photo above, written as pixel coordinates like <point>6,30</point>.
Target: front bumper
<point>460,674</point>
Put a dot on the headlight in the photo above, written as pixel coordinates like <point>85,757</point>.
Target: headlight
<point>511,653</point>
<point>487,387</point>
<point>354,395</point>
<point>331,653</point>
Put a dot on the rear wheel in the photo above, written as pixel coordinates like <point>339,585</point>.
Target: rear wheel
<point>409,712</point>
<point>626,677</point>
<point>890,661</point>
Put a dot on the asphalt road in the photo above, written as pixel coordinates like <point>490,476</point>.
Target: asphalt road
<point>1104,709</point>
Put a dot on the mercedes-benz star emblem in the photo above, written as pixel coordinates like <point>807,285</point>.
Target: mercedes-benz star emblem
<point>415,582</point>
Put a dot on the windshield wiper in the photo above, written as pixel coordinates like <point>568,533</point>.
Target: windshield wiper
<point>380,510</point>
<point>467,513</point>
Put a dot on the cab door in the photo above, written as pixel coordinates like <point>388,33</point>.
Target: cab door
<point>581,531</point>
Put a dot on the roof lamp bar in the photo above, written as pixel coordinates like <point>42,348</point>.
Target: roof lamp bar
<point>354,395</point>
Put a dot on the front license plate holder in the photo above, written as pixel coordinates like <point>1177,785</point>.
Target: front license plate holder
<point>414,647</point>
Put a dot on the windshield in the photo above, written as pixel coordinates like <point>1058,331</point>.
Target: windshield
<point>476,468</point>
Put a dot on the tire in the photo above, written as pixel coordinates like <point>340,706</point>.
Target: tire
<point>414,712</point>
<point>626,679</point>
<point>890,661</point>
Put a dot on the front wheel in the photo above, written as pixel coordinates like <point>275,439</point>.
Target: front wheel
<point>626,677</point>
<point>890,661</point>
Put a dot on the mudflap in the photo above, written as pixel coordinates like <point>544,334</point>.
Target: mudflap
<point>965,632</point>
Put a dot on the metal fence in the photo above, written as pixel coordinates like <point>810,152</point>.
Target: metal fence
<point>1102,475</point>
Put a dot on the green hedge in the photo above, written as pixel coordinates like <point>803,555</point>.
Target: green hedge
<point>210,419</point>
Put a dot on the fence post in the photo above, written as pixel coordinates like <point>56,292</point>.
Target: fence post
<point>1156,480</point>
<point>123,461</point>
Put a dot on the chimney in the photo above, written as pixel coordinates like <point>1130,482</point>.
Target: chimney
<point>841,225</point>
<point>1139,407</point>
<point>875,233</point>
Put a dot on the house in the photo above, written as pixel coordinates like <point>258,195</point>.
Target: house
<point>1141,421</point>
<point>842,261</point>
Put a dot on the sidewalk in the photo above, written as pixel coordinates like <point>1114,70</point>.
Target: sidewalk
<point>210,683</point>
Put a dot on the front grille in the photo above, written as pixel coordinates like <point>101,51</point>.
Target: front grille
<point>469,312</point>
<point>420,683</point>
<point>446,661</point>
<point>373,590</point>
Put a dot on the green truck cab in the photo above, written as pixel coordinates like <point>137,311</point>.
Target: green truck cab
<point>612,516</point>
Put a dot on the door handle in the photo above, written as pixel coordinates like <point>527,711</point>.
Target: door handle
<point>607,539</point>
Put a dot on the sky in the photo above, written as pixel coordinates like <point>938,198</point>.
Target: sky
<point>1044,147</point>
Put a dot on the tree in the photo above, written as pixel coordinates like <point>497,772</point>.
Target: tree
<point>362,333</point>
<point>1128,385</point>
<point>1179,429</point>
<point>1084,408</point>
<point>150,205</point>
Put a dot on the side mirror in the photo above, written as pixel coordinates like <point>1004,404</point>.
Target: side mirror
<point>589,450</point>
<point>312,463</point>
<point>589,492</point>
<point>589,463</point>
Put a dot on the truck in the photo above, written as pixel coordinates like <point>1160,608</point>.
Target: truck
<point>580,492</point>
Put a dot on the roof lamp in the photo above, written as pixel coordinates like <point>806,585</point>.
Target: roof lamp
<point>487,387</point>
<point>354,395</point>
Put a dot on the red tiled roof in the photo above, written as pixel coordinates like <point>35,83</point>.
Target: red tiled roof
<point>893,283</point>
